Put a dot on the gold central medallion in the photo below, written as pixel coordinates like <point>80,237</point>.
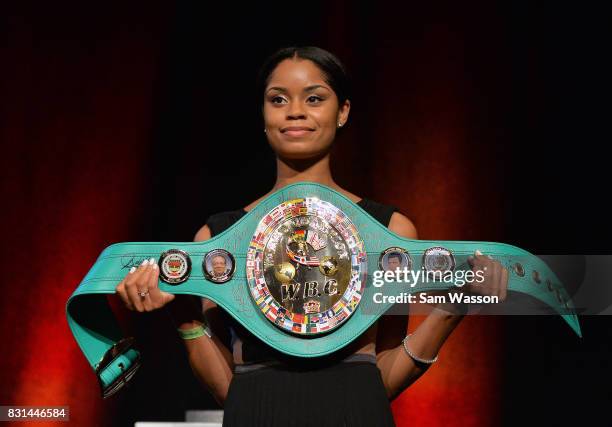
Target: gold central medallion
<point>306,266</point>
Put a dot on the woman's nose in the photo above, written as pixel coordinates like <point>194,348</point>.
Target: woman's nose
<point>296,111</point>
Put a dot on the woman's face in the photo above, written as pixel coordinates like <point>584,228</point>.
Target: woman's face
<point>301,110</point>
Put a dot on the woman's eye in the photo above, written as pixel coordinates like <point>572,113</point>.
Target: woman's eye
<point>276,100</point>
<point>314,98</point>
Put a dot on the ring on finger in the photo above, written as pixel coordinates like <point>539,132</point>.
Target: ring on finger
<point>144,293</point>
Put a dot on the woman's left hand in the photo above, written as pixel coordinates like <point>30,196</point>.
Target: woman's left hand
<point>491,278</point>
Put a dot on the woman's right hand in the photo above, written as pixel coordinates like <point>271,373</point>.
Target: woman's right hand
<point>139,289</point>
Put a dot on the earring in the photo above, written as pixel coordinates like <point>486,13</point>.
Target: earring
<point>265,130</point>
<point>339,124</point>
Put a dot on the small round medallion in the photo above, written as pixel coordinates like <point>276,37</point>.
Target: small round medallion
<point>218,266</point>
<point>174,266</point>
<point>438,261</point>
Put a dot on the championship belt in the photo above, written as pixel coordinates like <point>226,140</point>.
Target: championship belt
<point>298,271</point>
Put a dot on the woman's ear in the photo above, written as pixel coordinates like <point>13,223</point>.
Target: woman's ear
<point>343,113</point>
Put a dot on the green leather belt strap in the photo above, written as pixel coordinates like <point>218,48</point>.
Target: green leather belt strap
<point>242,290</point>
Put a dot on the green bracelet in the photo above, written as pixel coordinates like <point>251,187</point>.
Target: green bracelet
<point>198,331</point>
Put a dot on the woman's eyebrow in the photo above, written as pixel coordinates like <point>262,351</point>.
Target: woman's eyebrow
<point>306,89</point>
<point>313,87</point>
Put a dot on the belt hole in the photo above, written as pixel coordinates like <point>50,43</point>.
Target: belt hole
<point>518,269</point>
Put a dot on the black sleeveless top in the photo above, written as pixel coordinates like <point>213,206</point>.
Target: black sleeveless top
<point>253,350</point>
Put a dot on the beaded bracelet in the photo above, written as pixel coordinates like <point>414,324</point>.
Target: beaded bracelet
<point>418,359</point>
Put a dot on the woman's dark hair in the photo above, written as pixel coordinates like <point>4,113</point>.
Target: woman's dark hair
<point>333,70</point>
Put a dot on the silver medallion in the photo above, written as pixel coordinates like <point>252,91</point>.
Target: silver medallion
<point>174,266</point>
<point>438,261</point>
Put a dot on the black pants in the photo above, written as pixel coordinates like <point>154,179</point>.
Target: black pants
<point>342,394</point>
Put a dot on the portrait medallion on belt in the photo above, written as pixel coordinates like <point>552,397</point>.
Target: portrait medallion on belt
<point>306,266</point>
<point>218,266</point>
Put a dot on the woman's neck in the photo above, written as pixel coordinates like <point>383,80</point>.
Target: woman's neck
<point>312,170</point>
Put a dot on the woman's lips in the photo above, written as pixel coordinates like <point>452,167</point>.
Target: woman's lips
<point>296,131</point>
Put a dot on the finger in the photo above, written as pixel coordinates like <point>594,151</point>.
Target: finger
<point>482,278</point>
<point>477,281</point>
<point>152,284</point>
<point>471,260</point>
<point>501,285</point>
<point>478,256</point>
<point>120,289</point>
<point>475,278</point>
<point>135,299</point>
<point>167,297</point>
<point>159,297</point>
<point>481,256</point>
<point>504,290</point>
<point>151,299</point>
<point>150,272</point>
<point>146,302</point>
<point>496,279</point>
<point>125,285</point>
<point>484,261</point>
<point>134,285</point>
<point>135,276</point>
<point>480,267</point>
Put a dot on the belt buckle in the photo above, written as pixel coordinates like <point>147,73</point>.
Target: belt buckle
<point>118,349</point>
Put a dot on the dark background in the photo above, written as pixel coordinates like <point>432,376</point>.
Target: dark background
<point>134,121</point>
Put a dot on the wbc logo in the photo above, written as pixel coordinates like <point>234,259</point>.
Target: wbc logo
<point>174,266</point>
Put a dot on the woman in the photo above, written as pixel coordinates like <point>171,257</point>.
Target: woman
<point>305,101</point>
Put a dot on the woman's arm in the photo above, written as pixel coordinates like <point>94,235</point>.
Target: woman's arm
<point>209,358</point>
<point>398,370</point>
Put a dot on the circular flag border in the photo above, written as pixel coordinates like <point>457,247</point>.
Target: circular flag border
<point>313,323</point>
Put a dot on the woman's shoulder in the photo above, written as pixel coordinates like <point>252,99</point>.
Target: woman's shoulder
<point>220,221</point>
<point>375,204</point>
<point>381,211</point>
<point>217,223</point>
<point>219,216</point>
<point>391,216</point>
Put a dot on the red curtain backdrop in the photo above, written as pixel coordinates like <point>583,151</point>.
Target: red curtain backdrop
<point>84,88</point>
<point>76,120</point>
